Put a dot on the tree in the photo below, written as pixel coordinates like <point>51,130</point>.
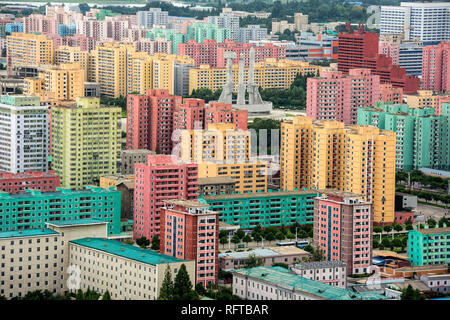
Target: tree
<point>281,264</point>
<point>253,261</point>
<point>247,239</point>
<point>223,241</point>
<point>309,248</point>
<point>143,242</point>
<point>442,221</point>
<point>235,239</point>
<point>240,234</point>
<point>318,254</point>
<point>431,222</point>
<point>387,228</point>
<point>398,227</point>
<point>182,287</point>
<point>200,289</point>
<point>386,242</point>
<point>223,233</point>
<point>106,296</point>
<point>270,237</point>
<point>396,242</point>
<point>409,227</point>
<point>377,229</point>
<point>257,237</point>
<point>279,235</point>
<point>155,243</point>
<point>411,294</point>
<point>166,291</point>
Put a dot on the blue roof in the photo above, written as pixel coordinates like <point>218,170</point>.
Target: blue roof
<point>285,277</point>
<point>66,223</point>
<point>27,233</point>
<point>126,250</point>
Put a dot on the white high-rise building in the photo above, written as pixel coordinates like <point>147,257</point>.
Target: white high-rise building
<point>23,134</point>
<point>152,17</point>
<point>229,21</point>
<point>426,21</point>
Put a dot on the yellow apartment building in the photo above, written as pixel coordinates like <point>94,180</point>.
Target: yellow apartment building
<point>27,48</point>
<point>120,69</point>
<point>221,141</point>
<point>329,154</point>
<point>57,83</point>
<point>250,176</point>
<point>270,73</point>
<point>67,54</point>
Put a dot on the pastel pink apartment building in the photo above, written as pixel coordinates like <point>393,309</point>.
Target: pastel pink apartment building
<point>163,177</point>
<point>436,67</point>
<point>336,96</point>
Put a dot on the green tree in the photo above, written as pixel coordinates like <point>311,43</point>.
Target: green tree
<point>235,239</point>
<point>106,296</point>
<point>385,242</point>
<point>143,242</point>
<point>223,241</point>
<point>443,221</point>
<point>398,227</point>
<point>247,239</point>
<point>182,287</point>
<point>253,261</point>
<point>155,242</point>
<point>318,254</point>
<point>257,237</point>
<point>396,242</point>
<point>240,234</point>
<point>377,229</point>
<point>431,222</point>
<point>200,289</point>
<point>387,228</point>
<point>279,235</point>
<point>411,294</point>
<point>167,287</point>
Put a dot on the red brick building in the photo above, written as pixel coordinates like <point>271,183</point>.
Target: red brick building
<point>18,182</point>
<point>163,177</point>
<point>190,231</point>
<point>359,49</point>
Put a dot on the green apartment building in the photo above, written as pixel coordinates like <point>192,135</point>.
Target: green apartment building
<point>198,31</point>
<point>85,142</point>
<point>273,208</point>
<point>429,246</point>
<point>33,209</point>
<point>422,136</point>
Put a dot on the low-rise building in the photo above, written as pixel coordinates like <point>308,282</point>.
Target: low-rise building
<point>126,271</point>
<point>277,283</point>
<point>429,246</point>
<point>437,282</point>
<point>269,255</point>
<point>330,272</point>
<point>124,184</point>
<point>273,208</point>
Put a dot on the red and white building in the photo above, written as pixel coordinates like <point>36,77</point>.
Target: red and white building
<point>343,229</point>
<point>190,231</point>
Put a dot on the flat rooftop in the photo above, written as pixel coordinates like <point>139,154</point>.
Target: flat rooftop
<point>78,222</point>
<point>186,203</point>
<point>59,192</point>
<point>261,194</point>
<point>282,276</point>
<point>27,233</point>
<point>216,180</point>
<point>126,251</point>
<point>434,230</point>
<point>320,264</point>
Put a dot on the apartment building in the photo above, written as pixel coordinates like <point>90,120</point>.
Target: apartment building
<point>14,183</point>
<point>216,186</point>
<point>152,17</point>
<point>250,176</point>
<point>190,231</point>
<point>24,134</point>
<point>29,49</point>
<point>328,154</point>
<point>130,157</point>
<point>70,54</point>
<point>162,177</point>
<point>436,67</point>
<point>343,229</point>
<point>335,96</point>
<point>422,136</point>
<point>429,246</point>
<point>270,73</point>
<point>390,94</point>
<point>273,208</point>
<point>85,141</point>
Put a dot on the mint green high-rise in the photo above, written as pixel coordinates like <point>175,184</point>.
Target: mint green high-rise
<point>429,246</point>
<point>422,136</point>
<point>168,34</point>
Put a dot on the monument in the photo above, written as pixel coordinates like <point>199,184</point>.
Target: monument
<point>254,104</point>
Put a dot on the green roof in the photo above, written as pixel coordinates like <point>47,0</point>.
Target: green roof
<point>67,223</point>
<point>284,277</point>
<point>126,250</point>
<point>27,233</point>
